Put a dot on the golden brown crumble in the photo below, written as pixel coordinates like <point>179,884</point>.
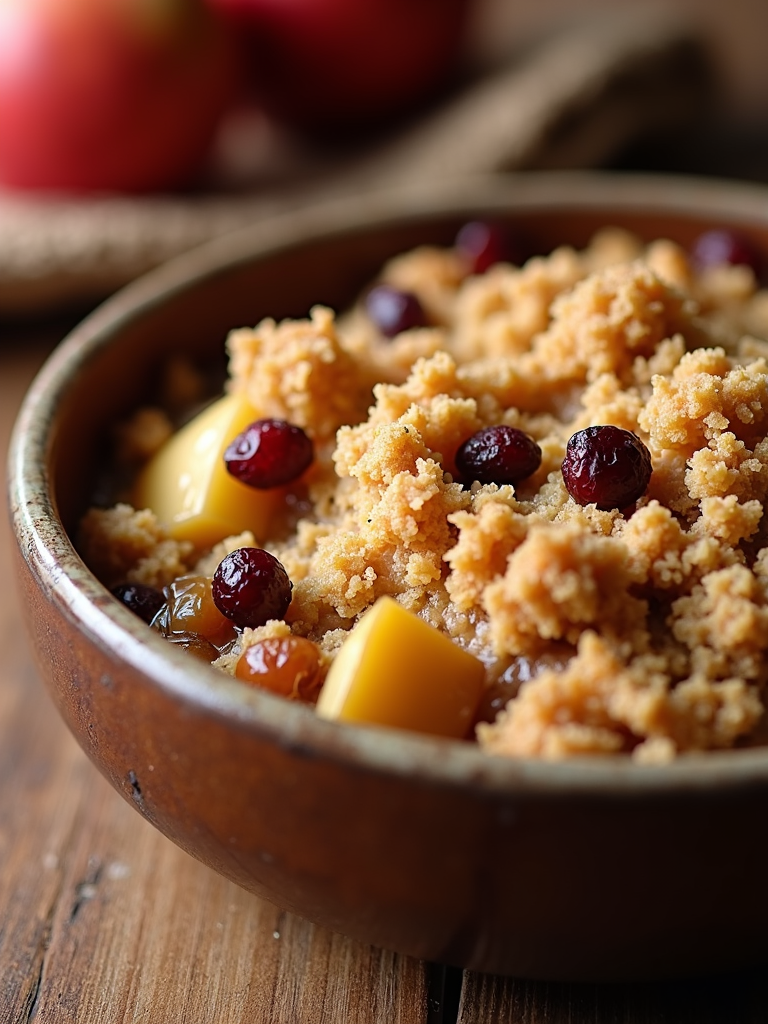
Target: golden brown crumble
<point>662,609</point>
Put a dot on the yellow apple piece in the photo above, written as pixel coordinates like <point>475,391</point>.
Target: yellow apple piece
<point>395,669</point>
<point>187,486</point>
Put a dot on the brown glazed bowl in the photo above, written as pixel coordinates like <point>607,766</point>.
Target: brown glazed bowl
<point>594,869</point>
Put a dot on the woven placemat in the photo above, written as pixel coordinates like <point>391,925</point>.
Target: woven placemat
<point>570,101</point>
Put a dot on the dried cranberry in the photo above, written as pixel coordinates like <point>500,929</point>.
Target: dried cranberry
<point>269,453</point>
<point>606,465</point>
<point>143,600</point>
<point>393,310</point>
<point>498,455</point>
<point>250,586</point>
<point>720,246</point>
<point>482,244</point>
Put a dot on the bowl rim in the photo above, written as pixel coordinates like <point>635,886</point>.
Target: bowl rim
<point>52,558</point>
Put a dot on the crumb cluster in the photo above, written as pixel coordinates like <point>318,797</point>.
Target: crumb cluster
<point>641,631</point>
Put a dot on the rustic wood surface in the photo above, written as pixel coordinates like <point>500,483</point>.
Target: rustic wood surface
<point>104,921</point>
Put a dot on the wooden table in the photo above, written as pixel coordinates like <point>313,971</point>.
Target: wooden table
<point>104,921</point>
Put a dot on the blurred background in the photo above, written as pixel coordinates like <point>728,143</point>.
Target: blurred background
<point>733,32</point>
<point>131,130</point>
<point>729,133</point>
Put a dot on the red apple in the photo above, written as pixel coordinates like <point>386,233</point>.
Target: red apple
<point>121,95</point>
<point>323,63</point>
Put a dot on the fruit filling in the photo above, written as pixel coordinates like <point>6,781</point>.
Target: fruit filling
<point>513,502</point>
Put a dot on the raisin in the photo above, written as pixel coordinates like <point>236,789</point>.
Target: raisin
<point>141,599</point>
<point>286,665</point>
<point>520,669</point>
<point>189,608</point>
<point>195,645</point>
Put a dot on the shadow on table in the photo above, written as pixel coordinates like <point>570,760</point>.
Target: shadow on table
<point>738,998</point>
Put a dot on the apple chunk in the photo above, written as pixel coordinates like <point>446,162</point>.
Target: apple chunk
<point>394,669</point>
<point>187,486</point>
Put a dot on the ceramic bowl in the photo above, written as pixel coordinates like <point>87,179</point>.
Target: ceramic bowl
<point>594,869</point>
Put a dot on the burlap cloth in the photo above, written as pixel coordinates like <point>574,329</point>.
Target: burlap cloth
<point>571,100</point>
